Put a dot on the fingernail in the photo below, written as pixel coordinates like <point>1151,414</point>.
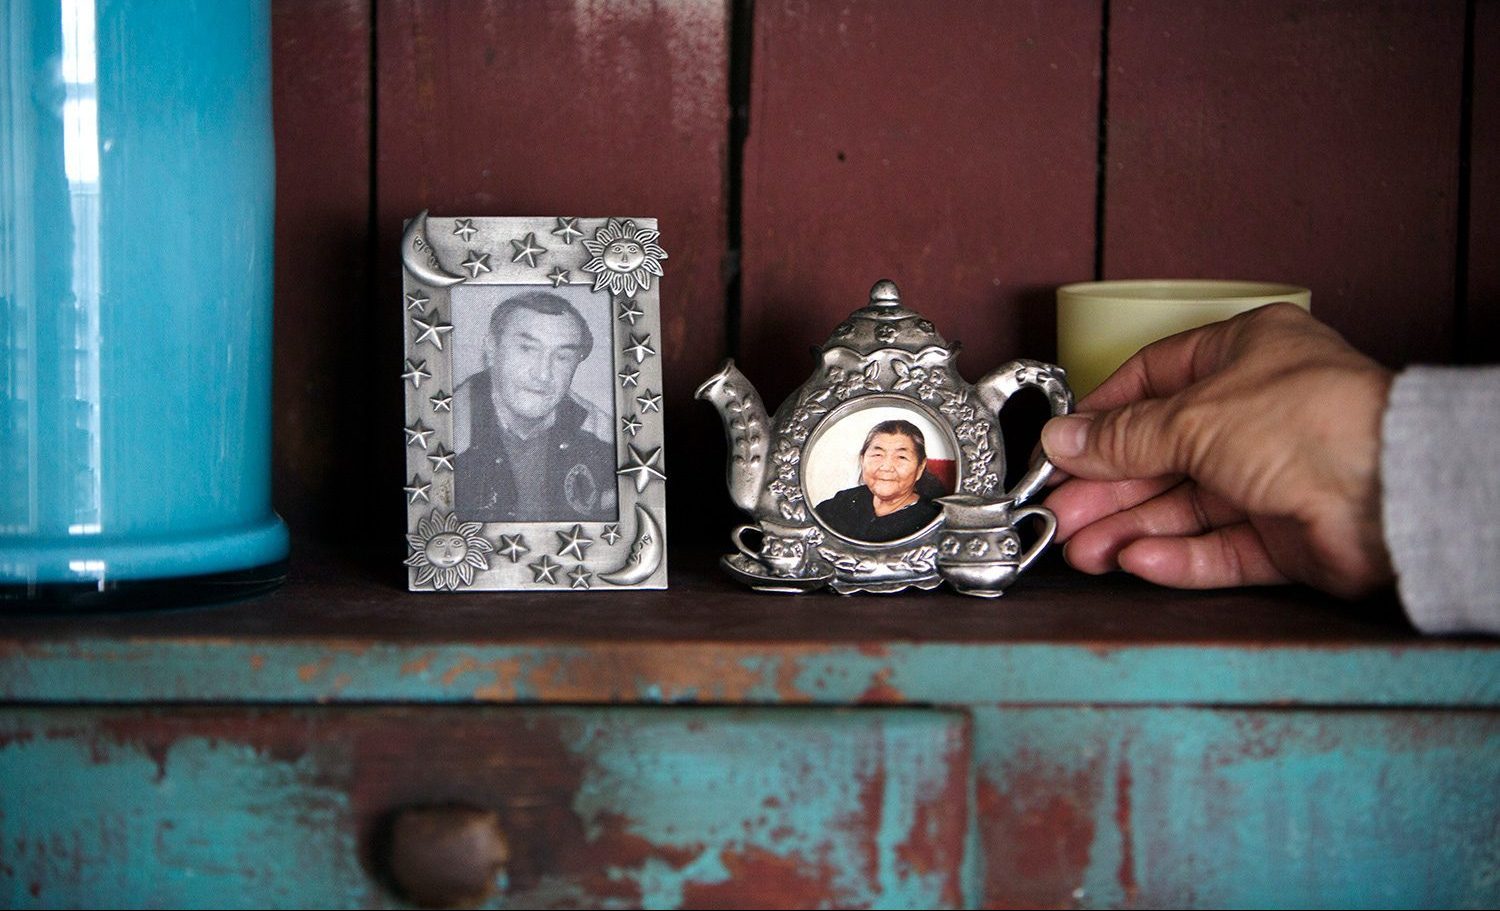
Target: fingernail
<point>1065,437</point>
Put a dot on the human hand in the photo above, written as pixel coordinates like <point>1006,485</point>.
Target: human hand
<point>1246,452</point>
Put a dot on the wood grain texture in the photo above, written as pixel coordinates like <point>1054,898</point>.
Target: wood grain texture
<point>511,107</point>
<point>1481,338</point>
<point>947,146</point>
<point>1313,143</point>
<point>321,97</point>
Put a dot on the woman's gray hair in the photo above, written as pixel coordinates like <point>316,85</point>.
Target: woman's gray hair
<point>904,428</point>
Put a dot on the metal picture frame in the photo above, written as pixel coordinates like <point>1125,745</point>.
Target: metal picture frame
<point>884,378</point>
<point>533,421</point>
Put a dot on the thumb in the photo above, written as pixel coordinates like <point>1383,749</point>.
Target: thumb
<point>1134,441</point>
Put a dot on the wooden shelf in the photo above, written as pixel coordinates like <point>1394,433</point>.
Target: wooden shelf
<point>335,633</point>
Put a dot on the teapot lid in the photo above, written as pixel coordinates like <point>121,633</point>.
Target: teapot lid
<point>885,323</point>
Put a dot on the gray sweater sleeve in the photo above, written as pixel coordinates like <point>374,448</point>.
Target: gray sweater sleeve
<point>1440,477</point>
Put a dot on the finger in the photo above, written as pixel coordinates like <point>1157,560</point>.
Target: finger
<point>1166,367</point>
<point>1080,503</point>
<point>1143,439</point>
<point>1186,509</point>
<point>1223,558</point>
<point>1160,369</point>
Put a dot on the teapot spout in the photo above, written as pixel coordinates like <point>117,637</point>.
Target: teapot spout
<point>746,426</point>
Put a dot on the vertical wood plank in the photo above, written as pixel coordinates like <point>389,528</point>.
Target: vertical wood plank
<point>1314,143</point>
<point>510,107</point>
<point>321,97</point>
<point>950,147</point>
<point>1481,341</point>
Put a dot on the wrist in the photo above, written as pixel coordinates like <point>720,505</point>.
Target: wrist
<point>1351,507</point>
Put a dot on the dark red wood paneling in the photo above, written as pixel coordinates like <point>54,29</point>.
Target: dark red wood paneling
<point>1481,340</point>
<point>1300,141</point>
<point>513,107</point>
<point>321,95</point>
<point>950,147</point>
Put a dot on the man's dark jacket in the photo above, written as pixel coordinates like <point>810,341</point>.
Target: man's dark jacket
<point>579,469</point>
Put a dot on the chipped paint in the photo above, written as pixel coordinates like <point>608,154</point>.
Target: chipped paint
<point>1178,807</point>
<point>837,798</point>
<point>419,665</point>
<point>1035,813</point>
<point>604,807</point>
<point>256,670</point>
<point>307,673</point>
<point>775,876</point>
<point>1124,825</point>
<point>204,823</point>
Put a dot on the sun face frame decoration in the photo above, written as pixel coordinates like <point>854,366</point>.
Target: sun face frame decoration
<point>534,437</point>
<point>885,389</point>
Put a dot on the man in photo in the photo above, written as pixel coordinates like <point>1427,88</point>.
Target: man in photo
<point>529,448</point>
<point>894,497</point>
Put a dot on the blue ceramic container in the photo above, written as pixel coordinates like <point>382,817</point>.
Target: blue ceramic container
<point>136,203</point>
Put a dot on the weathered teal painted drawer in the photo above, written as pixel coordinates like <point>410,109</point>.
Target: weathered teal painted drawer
<point>1189,807</point>
<point>286,807</point>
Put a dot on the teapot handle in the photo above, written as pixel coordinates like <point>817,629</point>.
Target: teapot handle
<point>997,388</point>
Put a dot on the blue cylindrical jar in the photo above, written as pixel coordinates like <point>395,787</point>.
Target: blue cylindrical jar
<point>136,205</point>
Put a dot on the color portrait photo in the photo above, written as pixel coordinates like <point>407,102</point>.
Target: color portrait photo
<point>872,476</point>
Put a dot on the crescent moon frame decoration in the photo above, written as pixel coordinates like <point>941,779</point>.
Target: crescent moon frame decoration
<point>535,457</point>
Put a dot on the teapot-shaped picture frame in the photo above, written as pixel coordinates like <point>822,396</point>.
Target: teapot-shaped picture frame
<point>885,470</point>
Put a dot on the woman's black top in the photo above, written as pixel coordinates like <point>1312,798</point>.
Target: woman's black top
<point>851,513</point>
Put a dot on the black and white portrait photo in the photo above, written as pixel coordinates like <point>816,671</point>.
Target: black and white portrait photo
<point>533,409</point>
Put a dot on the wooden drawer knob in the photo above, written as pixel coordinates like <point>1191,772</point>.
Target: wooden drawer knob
<point>447,856</point>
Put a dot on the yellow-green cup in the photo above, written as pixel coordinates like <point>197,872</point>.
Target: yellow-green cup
<point>1101,324</point>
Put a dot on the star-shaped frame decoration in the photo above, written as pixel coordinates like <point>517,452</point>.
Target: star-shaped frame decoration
<point>416,372</point>
<point>580,576</point>
<point>464,227</point>
<point>416,490</point>
<point>432,331</point>
<point>417,434</point>
<point>640,347</point>
<point>629,311</point>
<point>512,547</point>
<point>573,543</point>
<point>527,250</point>
<point>544,571</point>
<point>441,459</point>
<point>477,263</point>
<point>567,229</point>
<point>643,467</point>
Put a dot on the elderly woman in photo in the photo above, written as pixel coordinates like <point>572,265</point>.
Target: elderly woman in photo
<point>892,501</point>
